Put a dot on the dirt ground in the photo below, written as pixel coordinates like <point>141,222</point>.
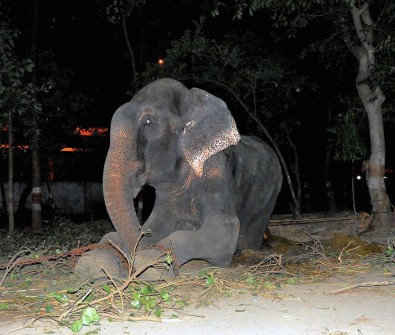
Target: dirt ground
<point>293,309</point>
<point>365,307</point>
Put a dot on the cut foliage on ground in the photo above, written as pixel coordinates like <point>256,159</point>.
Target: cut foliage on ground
<point>37,280</point>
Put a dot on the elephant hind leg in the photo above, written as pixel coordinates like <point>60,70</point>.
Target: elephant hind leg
<point>252,235</point>
<point>254,238</point>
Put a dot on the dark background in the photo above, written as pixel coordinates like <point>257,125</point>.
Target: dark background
<point>94,50</point>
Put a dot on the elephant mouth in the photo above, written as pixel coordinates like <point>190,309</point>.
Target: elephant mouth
<point>144,203</point>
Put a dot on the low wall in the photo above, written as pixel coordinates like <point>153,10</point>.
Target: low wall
<point>70,197</point>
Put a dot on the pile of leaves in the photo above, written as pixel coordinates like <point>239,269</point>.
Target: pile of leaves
<point>37,279</point>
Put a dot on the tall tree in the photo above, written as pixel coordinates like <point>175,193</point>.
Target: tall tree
<point>363,47</point>
<point>10,196</point>
<point>371,42</point>
<point>35,141</point>
<point>16,97</point>
<point>118,12</point>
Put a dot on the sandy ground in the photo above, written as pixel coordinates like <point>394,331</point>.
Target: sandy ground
<point>293,309</point>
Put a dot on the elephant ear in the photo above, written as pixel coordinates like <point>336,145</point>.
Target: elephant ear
<point>210,128</point>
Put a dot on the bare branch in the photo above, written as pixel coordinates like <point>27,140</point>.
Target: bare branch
<point>365,284</point>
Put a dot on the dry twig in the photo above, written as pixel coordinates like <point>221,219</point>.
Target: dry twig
<point>364,284</point>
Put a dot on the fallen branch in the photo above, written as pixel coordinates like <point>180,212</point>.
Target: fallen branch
<point>364,284</point>
<point>284,222</point>
<point>22,261</point>
<point>69,310</point>
<point>11,264</point>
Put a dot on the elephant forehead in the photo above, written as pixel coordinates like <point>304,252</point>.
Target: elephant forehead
<point>124,112</point>
<point>144,110</point>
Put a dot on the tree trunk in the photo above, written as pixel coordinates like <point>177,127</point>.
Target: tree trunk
<point>36,173</point>
<point>372,99</point>
<point>10,201</point>
<point>128,44</point>
<point>296,170</point>
<point>296,210</point>
<point>3,197</point>
<point>36,190</point>
<point>328,180</point>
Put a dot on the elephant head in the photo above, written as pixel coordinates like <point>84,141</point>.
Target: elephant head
<point>164,125</point>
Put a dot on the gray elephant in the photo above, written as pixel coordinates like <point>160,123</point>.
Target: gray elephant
<point>214,189</point>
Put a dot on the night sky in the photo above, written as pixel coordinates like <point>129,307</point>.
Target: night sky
<point>94,49</point>
<point>85,42</point>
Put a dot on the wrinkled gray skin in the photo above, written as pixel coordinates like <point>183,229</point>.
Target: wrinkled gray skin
<point>215,192</point>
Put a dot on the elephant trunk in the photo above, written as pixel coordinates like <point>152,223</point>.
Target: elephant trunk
<point>120,185</point>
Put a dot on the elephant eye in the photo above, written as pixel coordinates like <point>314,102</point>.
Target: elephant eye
<point>146,120</point>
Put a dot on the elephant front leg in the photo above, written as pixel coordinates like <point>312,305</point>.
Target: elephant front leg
<point>216,238</point>
<point>216,246</point>
<point>215,242</point>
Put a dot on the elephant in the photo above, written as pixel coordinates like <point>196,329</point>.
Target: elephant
<point>215,190</point>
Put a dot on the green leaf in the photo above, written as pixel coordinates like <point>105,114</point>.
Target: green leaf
<point>158,312</point>
<point>201,273</point>
<point>91,313</point>
<point>152,304</point>
<point>165,296</point>
<point>49,308</point>
<point>181,303</point>
<point>89,297</point>
<point>62,298</point>
<point>147,289</point>
<point>292,281</point>
<point>136,304</point>
<point>106,289</point>
<point>4,307</point>
<point>250,280</point>
<point>29,67</point>
<point>76,326</point>
<point>136,295</point>
<point>145,299</point>
<point>86,319</point>
<point>210,281</point>
<point>169,259</point>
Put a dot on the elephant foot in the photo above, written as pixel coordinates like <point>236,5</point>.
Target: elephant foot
<point>151,265</point>
<point>99,264</point>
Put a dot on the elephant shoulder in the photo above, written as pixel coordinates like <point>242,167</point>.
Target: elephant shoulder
<point>251,148</point>
<point>259,150</point>
<point>252,156</point>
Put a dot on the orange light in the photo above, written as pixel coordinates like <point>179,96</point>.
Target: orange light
<point>21,147</point>
<point>91,131</point>
<point>161,61</point>
<point>69,149</point>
